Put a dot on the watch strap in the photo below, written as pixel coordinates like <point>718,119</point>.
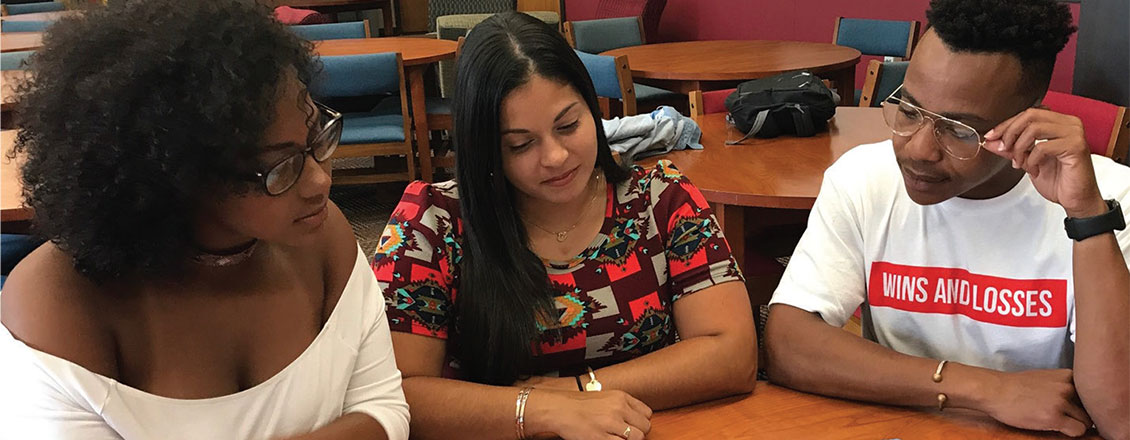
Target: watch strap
<point>1080,229</point>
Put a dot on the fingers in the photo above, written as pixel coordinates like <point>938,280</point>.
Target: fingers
<point>1041,154</point>
<point>635,434</point>
<point>625,430</point>
<point>1015,137</point>
<point>638,422</point>
<point>1077,412</point>
<point>639,406</point>
<point>1072,427</point>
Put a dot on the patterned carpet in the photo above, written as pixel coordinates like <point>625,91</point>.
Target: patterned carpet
<point>368,208</point>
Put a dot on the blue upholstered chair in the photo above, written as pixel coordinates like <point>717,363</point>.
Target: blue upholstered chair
<point>883,77</point>
<point>612,79</point>
<point>332,31</point>
<point>892,40</point>
<point>883,38</point>
<point>24,26</point>
<point>379,132</point>
<point>596,36</point>
<point>14,60</point>
<point>31,8</point>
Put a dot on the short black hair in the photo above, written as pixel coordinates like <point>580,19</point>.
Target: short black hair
<point>1034,31</point>
<point>140,111</point>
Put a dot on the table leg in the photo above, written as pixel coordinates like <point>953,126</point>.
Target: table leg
<point>845,85</point>
<point>420,119</point>
<point>386,17</point>
<point>732,221</point>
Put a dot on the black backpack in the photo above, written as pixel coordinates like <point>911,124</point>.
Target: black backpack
<point>796,103</point>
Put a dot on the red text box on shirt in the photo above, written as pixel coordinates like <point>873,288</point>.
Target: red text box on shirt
<point>985,298</point>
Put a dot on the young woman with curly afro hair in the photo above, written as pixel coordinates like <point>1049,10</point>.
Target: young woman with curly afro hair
<point>197,281</point>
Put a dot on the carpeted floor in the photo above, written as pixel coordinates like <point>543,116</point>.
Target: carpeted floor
<point>368,208</point>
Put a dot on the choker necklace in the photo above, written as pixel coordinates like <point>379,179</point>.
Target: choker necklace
<point>215,260</point>
<point>564,235</point>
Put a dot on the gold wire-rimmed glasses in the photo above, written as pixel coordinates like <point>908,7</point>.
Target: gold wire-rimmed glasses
<point>956,138</point>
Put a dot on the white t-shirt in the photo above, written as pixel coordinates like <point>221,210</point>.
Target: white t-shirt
<point>981,282</point>
<point>348,368</point>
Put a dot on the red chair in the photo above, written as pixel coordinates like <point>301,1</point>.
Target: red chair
<point>1106,126</point>
<point>650,11</point>
<point>714,101</point>
<point>289,15</point>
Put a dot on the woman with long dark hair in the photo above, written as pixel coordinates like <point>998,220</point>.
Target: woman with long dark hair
<point>198,282</point>
<point>546,269</point>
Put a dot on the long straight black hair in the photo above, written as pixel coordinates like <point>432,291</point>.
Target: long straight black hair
<point>504,289</point>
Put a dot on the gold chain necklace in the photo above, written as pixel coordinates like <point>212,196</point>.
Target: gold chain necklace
<point>564,235</point>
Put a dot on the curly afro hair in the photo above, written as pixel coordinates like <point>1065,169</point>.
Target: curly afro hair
<point>1034,31</point>
<point>136,113</point>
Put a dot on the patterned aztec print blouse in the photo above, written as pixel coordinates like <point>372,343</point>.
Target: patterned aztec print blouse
<point>659,242</point>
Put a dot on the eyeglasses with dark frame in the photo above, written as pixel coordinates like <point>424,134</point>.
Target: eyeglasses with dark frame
<point>281,176</point>
<point>955,137</point>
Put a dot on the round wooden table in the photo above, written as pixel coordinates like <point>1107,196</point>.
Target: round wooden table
<point>712,65</point>
<point>17,41</point>
<point>782,172</point>
<point>773,412</point>
<point>40,16</point>
<point>779,177</point>
<point>12,207</point>
<point>418,54</point>
<point>9,79</point>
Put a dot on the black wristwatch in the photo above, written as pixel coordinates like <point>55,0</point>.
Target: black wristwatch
<point>1080,229</point>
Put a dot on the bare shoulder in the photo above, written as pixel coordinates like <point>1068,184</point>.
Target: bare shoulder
<point>52,308</point>
<point>340,251</point>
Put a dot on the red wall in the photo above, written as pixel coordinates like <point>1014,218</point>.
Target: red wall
<point>801,20</point>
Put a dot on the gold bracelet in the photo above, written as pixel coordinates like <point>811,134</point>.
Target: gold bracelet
<point>593,384</point>
<point>520,412</point>
<point>942,398</point>
<point>938,372</point>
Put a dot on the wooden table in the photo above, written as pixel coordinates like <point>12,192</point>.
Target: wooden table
<point>783,173</point>
<point>712,65</point>
<point>772,412</point>
<point>418,54</point>
<point>17,41</point>
<point>335,6</point>
<point>9,79</point>
<point>11,199</point>
<point>39,16</point>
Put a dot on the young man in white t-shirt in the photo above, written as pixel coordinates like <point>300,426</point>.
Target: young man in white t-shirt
<point>952,238</point>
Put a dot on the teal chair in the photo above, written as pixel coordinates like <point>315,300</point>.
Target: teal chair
<point>596,36</point>
<point>24,26</point>
<point>31,8</point>
<point>612,79</point>
<point>332,31</point>
<point>14,60</point>
<point>892,40</point>
<point>883,77</point>
<point>885,38</point>
<point>374,133</point>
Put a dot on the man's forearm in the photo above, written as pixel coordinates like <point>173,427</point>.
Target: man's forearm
<point>806,353</point>
<point>1102,333</point>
